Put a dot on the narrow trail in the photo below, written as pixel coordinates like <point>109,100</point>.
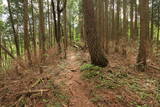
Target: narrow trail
<point>71,77</point>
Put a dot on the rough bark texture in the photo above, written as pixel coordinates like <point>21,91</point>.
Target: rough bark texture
<point>95,50</point>
<point>42,29</point>
<point>26,31</point>
<point>144,34</point>
<point>107,26</point>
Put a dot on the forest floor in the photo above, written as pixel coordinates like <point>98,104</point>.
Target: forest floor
<point>73,82</point>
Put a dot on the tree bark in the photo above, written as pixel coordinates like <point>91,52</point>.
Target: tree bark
<point>144,35</point>
<point>13,28</point>
<point>95,49</point>
<point>42,30</point>
<point>33,30</point>
<point>26,31</point>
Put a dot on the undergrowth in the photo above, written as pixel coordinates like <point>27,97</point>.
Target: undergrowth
<point>139,90</point>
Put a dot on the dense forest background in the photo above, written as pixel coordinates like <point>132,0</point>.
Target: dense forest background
<point>109,34</point>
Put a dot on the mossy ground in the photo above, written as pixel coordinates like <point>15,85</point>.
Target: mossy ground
<point>127,89</point>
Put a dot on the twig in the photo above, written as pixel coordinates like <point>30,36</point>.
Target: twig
<point>11,55</point>
<point>156,68</point>
<point>37,82</point>
<point>33,91</point>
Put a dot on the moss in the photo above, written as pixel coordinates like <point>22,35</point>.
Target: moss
<point>87,67</point>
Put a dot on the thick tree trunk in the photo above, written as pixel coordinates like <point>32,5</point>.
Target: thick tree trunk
<point>144,34</point>
<point>95,49</point>
<point>107,26</point>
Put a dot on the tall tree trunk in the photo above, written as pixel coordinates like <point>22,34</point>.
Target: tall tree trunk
<point>144,34</point>
<point>131,20</point>
<point>33,30</point>
<point>42,30</point>
<point>59,26</point>
<point>152,21</point>
<point>13,28</point>
<point>65,32</point>
<point>113,20</point>
<point>107,25</point>
<point>49,25</point>
<point>125,27</point>
<point>136,21</point>
<point>26,31</point>
<point>117,26</point>
<point>95,49</point>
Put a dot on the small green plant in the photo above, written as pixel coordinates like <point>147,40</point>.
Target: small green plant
<point>92,74</point>
<point>90,67</point>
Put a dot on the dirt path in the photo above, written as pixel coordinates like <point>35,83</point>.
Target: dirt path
<point>71,77</point>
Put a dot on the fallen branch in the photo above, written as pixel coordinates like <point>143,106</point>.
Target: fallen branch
<point>37,82</point>
<point>7,51</point>
<point>33,91</point>
<point>10,54</point>
<point>153,67</point>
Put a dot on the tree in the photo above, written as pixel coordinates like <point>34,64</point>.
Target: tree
<point>144,34</point>
<point>95,49</point>
<point>26,32</point>
<point>125,19</point>
<point>16,40</point>
<point>57,20</point>
<point>131,21</point>
<point>33,29</point>
<point>41,30</point>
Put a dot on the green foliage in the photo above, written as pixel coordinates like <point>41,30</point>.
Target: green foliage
<point>92,74</point>
<point>135,104</point>
<point>87,67</point>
